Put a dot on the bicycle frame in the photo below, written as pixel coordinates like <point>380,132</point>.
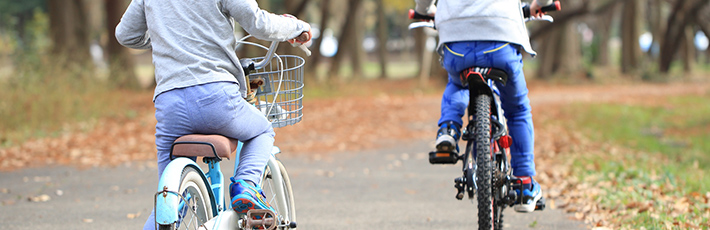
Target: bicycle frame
<point>167,200</point>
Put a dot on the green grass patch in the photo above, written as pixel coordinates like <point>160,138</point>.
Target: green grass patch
<point>657,171</point>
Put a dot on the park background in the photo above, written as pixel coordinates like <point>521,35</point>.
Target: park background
<point>632,148</point>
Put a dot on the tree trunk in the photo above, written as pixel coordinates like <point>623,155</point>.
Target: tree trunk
<point>688,49</point>
<point>347,35</point>
<point>299,9</point>
<point>655,16</point>
<point>121,65</point>
<point>604,25</point>
<point>703,20</point>
<point>684,12</point>
<point>560,52</point>
<point>629,37</point>
<point>69,31</point>
<point>382,38</point>
<point>316,55</point>
<point>419,49</point>
<point>357,53</point>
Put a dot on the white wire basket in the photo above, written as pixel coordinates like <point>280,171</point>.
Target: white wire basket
<point>280,98</point>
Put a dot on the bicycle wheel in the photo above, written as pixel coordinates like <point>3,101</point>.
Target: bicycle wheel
<point>277,187</point>
<point>195,206</point>
<point>484,169</point>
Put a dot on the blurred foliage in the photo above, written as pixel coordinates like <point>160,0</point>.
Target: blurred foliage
<point>24,26</point>
<point>10,9</point>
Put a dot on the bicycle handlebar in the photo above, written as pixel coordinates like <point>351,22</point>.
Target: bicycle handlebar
<point>272,51</point>
<point>555,6</point>
<point>269,54</point>
<point>417,16</point>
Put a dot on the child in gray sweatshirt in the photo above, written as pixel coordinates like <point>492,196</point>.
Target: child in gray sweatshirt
<point>200,86</point>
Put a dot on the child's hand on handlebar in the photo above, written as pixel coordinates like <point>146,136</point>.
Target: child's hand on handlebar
<point>302,38</point>
<point>426,10</point>
<point>536,10</point>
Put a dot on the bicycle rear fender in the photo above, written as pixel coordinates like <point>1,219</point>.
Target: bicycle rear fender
<point>166,204</point>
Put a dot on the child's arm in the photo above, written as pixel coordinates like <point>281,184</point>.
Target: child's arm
<point>262,24</point>
<point>132,31</point>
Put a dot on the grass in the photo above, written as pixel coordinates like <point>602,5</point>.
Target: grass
<point>658,173</point>
<point>42,96</point>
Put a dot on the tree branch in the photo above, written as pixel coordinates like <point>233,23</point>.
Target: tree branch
<point>568,15</point>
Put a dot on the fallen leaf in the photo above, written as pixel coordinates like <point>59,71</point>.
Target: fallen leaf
<point>133,215</point>
<point>40,198</point>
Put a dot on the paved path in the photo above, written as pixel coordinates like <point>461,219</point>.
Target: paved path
<point>382,189</point>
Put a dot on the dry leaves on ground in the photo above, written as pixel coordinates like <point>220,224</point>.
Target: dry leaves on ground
<point>368,122</point>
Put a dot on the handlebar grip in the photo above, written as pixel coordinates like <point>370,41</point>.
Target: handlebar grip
<point>305,50</point>
<point>417,16</point>
<point>555,6</point>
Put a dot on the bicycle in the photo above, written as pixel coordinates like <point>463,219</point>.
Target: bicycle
<point>189,198</point>
<point>486,168</point>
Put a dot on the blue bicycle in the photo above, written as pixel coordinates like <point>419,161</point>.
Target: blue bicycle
<point>190,198</point>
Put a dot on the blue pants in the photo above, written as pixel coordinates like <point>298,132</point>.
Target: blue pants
<point>213,108</point>
<point>458,56</point>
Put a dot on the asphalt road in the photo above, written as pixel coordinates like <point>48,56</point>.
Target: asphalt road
<point>392,188</point>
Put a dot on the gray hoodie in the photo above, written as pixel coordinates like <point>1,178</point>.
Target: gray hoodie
<point>193,40</point>
<point>479,20</point>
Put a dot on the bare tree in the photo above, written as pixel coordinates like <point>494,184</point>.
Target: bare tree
<point>420,37</point>
<point>603,28</point>
<point>560,46</point>
<point>630,50</point>
<point>69,31</point>
<point>324,18</point>
<point>122,68</point>
<point>348,41</point>
<point>655,23</point>
<point>684,13</point>
<point>382,38</point>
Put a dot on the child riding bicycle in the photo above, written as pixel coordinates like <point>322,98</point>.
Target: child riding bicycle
<point>487,33</point>
<point>200,86</point>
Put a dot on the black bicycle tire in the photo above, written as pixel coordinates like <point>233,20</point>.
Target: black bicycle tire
<point>498,216</point>
<point>484,168</point>
<point>185,172</point>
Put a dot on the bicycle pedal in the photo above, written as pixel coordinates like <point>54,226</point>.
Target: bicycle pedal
<point>443,157</point>
<point>540,205</point>
<point>259,219</point>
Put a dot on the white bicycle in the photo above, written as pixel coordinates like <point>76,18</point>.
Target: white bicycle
<point>190,198</point>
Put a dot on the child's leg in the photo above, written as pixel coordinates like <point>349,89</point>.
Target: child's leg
<point>514,95</point>
<point>453,102</point>
<point>516,105</point>
<point>221,110</point>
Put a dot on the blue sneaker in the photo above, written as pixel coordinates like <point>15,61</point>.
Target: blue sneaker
<point>246,197</point>
<point>531,193</point>
<point>447,137</point>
